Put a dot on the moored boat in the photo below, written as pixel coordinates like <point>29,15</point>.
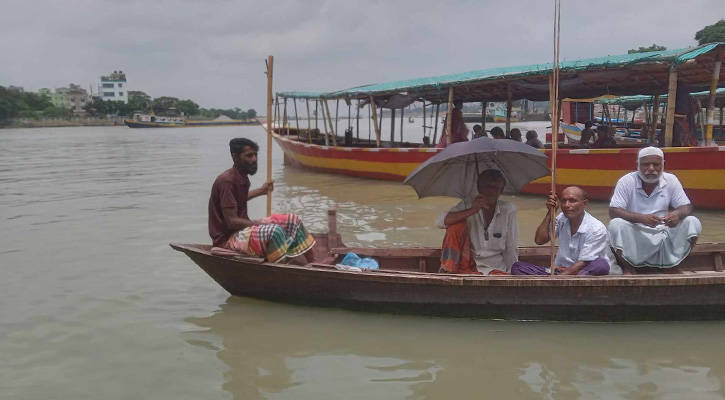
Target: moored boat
<point>152,121</point>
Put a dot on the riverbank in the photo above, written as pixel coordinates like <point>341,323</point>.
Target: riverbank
<point>55,123</point>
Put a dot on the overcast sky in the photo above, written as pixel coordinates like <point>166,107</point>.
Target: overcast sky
<point>213,51</point>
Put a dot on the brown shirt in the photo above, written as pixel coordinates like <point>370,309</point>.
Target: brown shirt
<point>231,189</point>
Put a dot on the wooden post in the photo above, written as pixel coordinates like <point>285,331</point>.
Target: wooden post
<point>424,119</point>
<point>329,119</point>
<point>509,105</point>
<point>655,117</point>
<point>435,126</point>
<point>484,105</point>
<point>309,122</point>
<point>449,115</point>
<point>285,122</point>
<point>324,124</point>
<point>392,126</point>
<point>402,111</point>
<point>277,113</point>
<point>374,111</point>
<point>317,103</point>
<point>331,228</point>
<point>337,114</point>
<point>370,118</point>
<point>270,68</point>
<point>719,136</point>
<point>357,120</point>
<point>671,98</point>
<point>711,100</point>
<point>297,118</point>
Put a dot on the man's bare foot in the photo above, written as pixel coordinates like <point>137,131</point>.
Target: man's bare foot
<point>628,269</point>
<point>673,270</point>
<point>329,259</point>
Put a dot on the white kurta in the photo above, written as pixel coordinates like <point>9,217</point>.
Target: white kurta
<point>500,251</point>
<point>641,245</point>
<point>588,243</point>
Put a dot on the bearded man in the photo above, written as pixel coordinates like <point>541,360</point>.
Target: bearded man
<point>651,224</point>
<point>275,238</point>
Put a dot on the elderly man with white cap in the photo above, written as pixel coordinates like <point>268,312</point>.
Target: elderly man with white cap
<point>651,224</point>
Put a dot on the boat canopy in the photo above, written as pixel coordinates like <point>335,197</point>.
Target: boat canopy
<point>638,100</point>
<point>628,74</point>
<point>301,95</point>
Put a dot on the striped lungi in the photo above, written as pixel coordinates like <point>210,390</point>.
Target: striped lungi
<point>282,235</point>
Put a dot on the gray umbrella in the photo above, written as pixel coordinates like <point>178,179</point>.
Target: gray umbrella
<point>453,171</point>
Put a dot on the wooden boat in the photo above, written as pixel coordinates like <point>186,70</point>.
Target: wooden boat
<point>700,169</point>
<point>152,121</point>
<point>408,282</point>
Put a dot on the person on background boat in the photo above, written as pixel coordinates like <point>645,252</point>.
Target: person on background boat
<point>586,136</point>
<point>583,239</point>
<point>497,133</point>
<point>482,233</point>
<point>686,109</point>
<point>274,238</point>
<point>515,134</point>
<point>605,139</point>
<point>478,132</point>
<point>532,139</point>
<point>644,232</point>
<point>459,131</point>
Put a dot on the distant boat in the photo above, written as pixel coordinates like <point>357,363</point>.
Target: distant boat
<point>152,121</point>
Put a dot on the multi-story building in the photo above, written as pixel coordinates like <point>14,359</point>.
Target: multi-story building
<point>113,87</point>
<point>75,98</point>
<point>57,99</point>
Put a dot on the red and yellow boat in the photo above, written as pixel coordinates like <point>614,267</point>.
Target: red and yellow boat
<point>700,169</point>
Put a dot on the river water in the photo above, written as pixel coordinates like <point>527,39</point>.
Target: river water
<point>94,304</point>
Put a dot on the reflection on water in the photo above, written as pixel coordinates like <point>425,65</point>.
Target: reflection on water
<point>288,352</point>
<point>94,304</point>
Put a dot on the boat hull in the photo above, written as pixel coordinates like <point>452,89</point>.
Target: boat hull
<point>695,296</point>
<point>187,124</point>
<point>700,169</point>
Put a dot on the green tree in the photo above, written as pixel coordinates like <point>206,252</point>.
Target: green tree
<point>15,104</point>
<point>57,112</point>
<point>251,113</point>
<point>165,105</point>
<point>188,107</point>
<point>138,101</point>
<point>654,47</point>
<point>711,33</point>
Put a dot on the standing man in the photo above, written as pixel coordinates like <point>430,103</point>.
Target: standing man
<point>583,239</point>
<point>482,233</point>
<point>644,232</point>
<point>274,238</point>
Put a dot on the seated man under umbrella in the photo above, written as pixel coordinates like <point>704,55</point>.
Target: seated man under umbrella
<point>482,232</point>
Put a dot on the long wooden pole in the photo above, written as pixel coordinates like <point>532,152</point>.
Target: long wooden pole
<point>711,100</point>
<point>449,114</point>
<point>554,104</point>
<point>309,122</point>
<point>655,118</point>
<point>671,98</point>
<point>509,106</point>
<point>329,119</point>
<point>270,69</point>
<point>374,110</point>
<point>435,126</point>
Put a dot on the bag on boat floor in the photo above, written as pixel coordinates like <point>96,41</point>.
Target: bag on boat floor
<point>353,260</point>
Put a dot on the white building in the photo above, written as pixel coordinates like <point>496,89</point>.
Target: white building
<point>113,87</point>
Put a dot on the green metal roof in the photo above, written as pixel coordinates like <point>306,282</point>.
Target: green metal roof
<point>646,98</point>
<point>533,79</point>
<point>302,95</point>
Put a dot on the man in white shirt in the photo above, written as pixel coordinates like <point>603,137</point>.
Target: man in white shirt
<point>583,239</point>
<point>482,232</point>
<point>644,232</point>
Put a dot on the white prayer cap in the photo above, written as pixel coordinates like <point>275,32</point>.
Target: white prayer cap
<point>650,151</point>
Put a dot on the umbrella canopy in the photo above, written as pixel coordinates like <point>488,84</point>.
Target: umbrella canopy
<point>453,172</point>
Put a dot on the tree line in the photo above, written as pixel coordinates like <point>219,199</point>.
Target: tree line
<point>16,104</point>
<point>163,106</point>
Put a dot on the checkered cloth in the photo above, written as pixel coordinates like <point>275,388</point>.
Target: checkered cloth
<point>284,236</point>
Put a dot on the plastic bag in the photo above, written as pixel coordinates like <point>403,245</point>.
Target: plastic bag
<point>353,260</point>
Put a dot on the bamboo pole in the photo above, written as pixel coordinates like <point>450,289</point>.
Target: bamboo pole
<point>711,101</point>
<point>435,126</point>
<point>297,118</point>
<point>449,114</point>
<point>509,106</point>
<point>392,126</point>
<point>671,98</point>
<point>484,105</point>
<point>329,119</point>
<point>309,122</point>
<point>655,118</point>
<point>374,111</point>
<point>555,105</point>
<point>270,69</point>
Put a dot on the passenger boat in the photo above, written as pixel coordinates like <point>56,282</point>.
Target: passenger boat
<point>152,121</point>
<point>408,282</point>
<point>700,169</point>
